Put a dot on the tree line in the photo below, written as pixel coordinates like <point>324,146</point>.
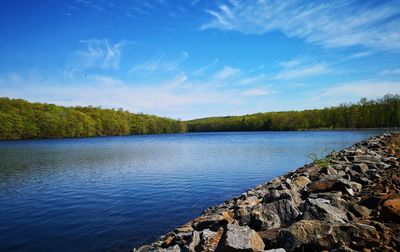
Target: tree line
<point>379,113</point>
<point>20,119</point>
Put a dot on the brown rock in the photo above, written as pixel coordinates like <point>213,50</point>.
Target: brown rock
<point>301,181</point>
<point>359,211</point>
<point>391,209</point>
<point>360,168</point>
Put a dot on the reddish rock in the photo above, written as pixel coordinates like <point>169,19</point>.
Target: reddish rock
<point>391,209</point>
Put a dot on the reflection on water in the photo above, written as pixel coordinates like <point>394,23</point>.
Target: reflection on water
<point>113,193</point>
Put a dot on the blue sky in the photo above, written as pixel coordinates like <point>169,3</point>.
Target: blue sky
<point>197,58</point>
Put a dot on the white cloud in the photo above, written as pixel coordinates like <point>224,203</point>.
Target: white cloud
<point>226,72</point>
<point>256,92</point>
<point>159,63</point>
<point>329,23</point>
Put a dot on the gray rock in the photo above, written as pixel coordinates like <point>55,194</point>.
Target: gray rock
<point>275,250</point>
<point>242,238</point>
<point>314,235</point>
<point>273,215</point>
<point>320,209</point>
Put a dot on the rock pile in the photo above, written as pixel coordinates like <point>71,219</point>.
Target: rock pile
<point>348,201</point>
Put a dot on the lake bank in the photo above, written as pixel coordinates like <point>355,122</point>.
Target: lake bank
<point>346,201</point>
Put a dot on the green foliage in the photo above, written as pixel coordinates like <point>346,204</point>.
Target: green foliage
<point>320,161</point>
<point>380,113</point>
<point>20,119</point>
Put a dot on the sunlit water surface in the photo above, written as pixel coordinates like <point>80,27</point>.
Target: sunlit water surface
<point>114,193</point>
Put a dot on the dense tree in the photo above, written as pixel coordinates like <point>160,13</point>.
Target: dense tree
<point>20,119</point>
<point>384,112</point>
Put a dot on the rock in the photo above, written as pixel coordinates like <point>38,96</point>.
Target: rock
<point>371,202</point>
<point>391,209</point>
<point>210,240</point>
<point>328,170</point>
<point>269,237</point>
<point>359,211</point>
<point>184,228</point>
<point>175,248</point>
<point>168,240</point>
<point>242,214</point>
<point>275,194</point>
<point>264,219</point>
<point>273,215</point>
<point>144,248</point>
<point>301,181</point>
<point>364,236</point>
<point>320,209</point>
<point>242,238</point>
<point>213,221</point>
<point>275,250</point>
<point>305,235</point>
<point>335,199</point>
<point>360,168</point>
<point>195,240</point>
<point>253,200</point>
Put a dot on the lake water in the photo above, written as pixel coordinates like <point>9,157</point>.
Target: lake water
<point>114,193</point>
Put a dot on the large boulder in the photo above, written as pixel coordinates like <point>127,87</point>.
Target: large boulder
<point>273,215</point>
<point>321,209</point>
<point>313,235</point>
<point>242,238</point>
<point>213,221</point>
<point>210,240</point>
<point>327,185</point>
<point>391,209</point>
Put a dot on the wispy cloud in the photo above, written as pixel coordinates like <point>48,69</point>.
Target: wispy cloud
<point>256,92</point>
<point>226,72</point>
<point>340,23</point>
<point>389,72</point>
<point>358,55</point>
<point>159,63</point>
<point>99,53</point>
<point>361,88</point>
<point>203,69</point>
<point>296,69</point>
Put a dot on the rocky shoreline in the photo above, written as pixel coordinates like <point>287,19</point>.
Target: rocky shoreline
<point>348,201</point>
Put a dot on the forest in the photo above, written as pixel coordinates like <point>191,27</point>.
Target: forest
<point>379,113</point>
<point>20,119</point>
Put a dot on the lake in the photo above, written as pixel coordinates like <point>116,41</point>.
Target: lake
<point>115,193</point>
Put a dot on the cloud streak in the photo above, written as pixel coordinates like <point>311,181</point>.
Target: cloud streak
<point>342,23</point>
<point>159,63</point>
<point>101,54</point>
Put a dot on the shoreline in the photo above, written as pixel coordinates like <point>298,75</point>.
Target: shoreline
<point>202,132</point>
<point>349,200</point>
